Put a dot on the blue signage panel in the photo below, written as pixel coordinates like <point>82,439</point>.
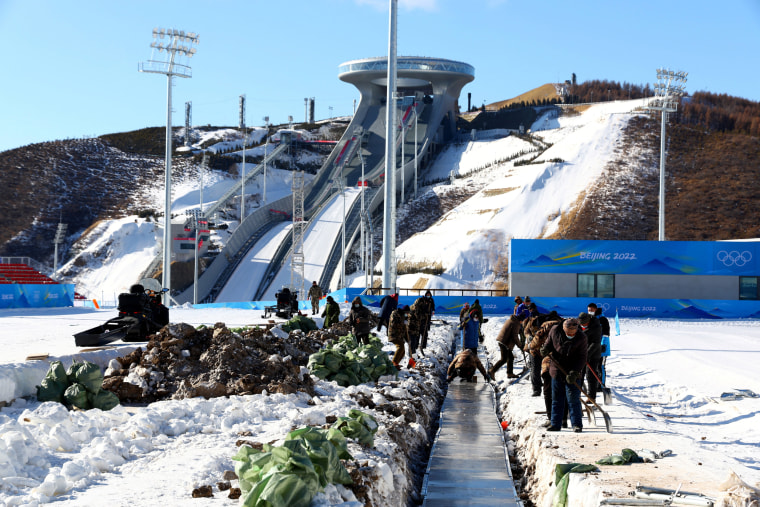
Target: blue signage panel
<point>735,258</point>
<point>13,295</point>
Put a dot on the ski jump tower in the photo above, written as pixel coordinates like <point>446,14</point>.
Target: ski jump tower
<point>438,79</point>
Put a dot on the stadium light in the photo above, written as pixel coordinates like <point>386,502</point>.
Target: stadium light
<point>669,89</point>
<point>170,66</point>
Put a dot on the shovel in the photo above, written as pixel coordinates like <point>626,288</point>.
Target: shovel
<point>606,392</point>
<point>607,420</point>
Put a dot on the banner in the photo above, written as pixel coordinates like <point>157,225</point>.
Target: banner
<point>15,295</point>
<point>732,258</point>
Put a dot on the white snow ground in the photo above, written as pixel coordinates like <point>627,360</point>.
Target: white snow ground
<point>663,373</point>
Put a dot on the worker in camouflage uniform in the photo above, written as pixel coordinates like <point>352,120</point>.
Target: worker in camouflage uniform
<point>331,313</point>
<point>464,313</point>
<point>508,338</point>
<point>427,311</point>
<point>398,334</point>
<point>315,294</point>
<point>359,317</point>
<point>415,324</point>
<point>464,365</point>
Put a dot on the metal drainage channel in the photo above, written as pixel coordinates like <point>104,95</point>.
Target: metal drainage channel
<point>469,464</point>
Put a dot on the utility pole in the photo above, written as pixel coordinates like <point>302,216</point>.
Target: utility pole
<point>389,226</point>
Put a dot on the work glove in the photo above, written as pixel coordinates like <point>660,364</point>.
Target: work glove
<point>604,348</point>
<point>572,377</point>
<point>545,352</point>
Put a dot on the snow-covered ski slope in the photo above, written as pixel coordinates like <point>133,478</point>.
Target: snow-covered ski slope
<point>513,201</point>
<point>318,239</point>
<point>522,201</point>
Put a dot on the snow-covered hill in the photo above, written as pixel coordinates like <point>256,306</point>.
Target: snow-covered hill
<point>524,186</point>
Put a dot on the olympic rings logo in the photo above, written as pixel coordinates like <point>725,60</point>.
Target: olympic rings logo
<point>734,258</point>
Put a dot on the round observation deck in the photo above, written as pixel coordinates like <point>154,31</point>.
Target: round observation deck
<point>412,71</point>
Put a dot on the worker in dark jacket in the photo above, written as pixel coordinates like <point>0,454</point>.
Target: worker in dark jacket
<point>428,309</point>
<point>359,317</point>
<point>593,330</point>
<point>567,347</point>
<point>416,318</point>
<point>476,307</point>
<point>398,334</point>
<point>387,305</point>
<point>464,365</point>
<point>507,339</point>
<point>331,313</point>
<point>605,349</point>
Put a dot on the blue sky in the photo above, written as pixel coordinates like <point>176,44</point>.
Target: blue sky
<point>70,67</point>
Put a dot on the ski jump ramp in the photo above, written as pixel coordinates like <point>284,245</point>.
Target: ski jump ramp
<point>430,88</point>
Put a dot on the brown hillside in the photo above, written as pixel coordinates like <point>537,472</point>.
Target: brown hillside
<point>545,92</point>
<point>711,188</point>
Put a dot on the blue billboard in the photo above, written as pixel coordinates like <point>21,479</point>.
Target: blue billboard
<point>16,295</point>
<point>734,258</point>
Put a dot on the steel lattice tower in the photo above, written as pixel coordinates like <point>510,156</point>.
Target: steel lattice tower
<point>297,262</point>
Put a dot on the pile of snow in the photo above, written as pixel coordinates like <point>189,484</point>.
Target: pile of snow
<point>159,453</point>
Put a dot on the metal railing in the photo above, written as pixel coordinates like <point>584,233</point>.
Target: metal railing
<point>378,291</point>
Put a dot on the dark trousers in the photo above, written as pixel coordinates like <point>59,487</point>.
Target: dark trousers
<point>563,393</point>
<point>424,328</point>
<point>591,382</point>
<point>414,342</point>
<point>506,358</point>
<point>363,338</point>
<point>535,372</point>
<point>547,388</point>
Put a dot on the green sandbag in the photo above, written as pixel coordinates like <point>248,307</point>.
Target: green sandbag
<point>562,478</point>
<point>323,455</point>
<point>50,390</point>
<point>625,456</point>
<point>57,373</point>
<point>359,426</point>
<point>333,361</point>
<point>338,440</point>
<point>103,399</point>
<point>279,489</point>
<point>320,371</point>
<point>303,323</point>
<point>342,379</point>
<point>76,396</point>
<point>85,373</point>
<point>256,470</point>
<point>366,419</point>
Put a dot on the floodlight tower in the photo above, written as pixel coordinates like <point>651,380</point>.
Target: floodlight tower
<point>669,89</point>
<point>175,49</point>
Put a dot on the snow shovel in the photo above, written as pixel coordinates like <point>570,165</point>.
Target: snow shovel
<point>607,420</point>
<point>606,392</point>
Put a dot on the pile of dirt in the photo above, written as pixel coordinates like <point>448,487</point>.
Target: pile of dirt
<point>183,362</point>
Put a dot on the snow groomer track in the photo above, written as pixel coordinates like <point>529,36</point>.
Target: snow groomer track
<point>468,463</point>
